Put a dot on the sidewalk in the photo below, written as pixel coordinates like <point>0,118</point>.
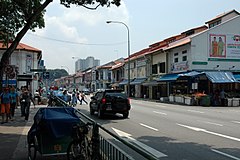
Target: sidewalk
<point>13,136</point>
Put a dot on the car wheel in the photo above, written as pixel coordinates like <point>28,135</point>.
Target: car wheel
<point>100,113</point>
<point>91,111</point>
<point>126,114</point>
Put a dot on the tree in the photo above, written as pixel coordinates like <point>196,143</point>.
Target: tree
<point>19,16</point>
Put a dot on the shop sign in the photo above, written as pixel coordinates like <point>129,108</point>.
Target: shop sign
<point>180,66</point>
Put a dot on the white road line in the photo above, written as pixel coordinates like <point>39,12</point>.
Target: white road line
<point>209,132</point>
<point>212,123</point>
<point>160,113</point>
<point>236,122</point>
<point>129,138</point>
<point>159,105</point>
<point>225,154</point>
<point>144,125</point>
<point>195,111</point>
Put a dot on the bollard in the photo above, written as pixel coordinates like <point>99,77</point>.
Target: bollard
<point>95,142</point>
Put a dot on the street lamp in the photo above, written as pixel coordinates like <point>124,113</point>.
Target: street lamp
<point>128,37</point>
<point>65,67</point>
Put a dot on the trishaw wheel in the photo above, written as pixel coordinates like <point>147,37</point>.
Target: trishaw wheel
<point>74,150</point>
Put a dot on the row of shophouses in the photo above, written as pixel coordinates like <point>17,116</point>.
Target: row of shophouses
<point>205,58</point>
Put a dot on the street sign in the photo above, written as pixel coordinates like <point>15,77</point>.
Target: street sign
<point>45,75</point>
<point>38,70</point>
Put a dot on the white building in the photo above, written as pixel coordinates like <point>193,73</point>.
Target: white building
<point>89,62</point>
<point>23,59</point>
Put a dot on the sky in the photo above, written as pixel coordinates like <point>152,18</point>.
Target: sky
<point>76,32</point>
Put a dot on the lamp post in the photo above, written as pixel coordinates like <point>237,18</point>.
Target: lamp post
<point>65,67</point>
<point>128,37</point>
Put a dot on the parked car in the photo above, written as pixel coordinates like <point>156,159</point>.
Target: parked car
<point>86,91</point>
<point>110,101</point>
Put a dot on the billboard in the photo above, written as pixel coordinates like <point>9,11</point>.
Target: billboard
<point>224,46</point>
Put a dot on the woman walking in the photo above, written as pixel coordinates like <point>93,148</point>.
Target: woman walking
<point>13,103</point>
<point>5,105</point>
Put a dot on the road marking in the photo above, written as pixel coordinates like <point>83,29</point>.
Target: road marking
<point>160,113</point>
<point>236,122</point>
<point>225,154</point>
<point>144,125</point>
<point>212,123</point>
<point>194,111</point>
<point>150,150</point>
<point>159,105</point>
<point>209,132</point>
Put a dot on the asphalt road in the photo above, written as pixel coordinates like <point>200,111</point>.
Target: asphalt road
<point>177,132</point>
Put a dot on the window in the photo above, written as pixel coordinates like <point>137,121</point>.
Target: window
<point>175,54</point>
<point>184,52</point>
<point>184,58</point>
<point>154,69</point>
<point>162,67</point>
<point>175,60</point>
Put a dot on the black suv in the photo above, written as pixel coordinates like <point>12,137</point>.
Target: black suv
<point>110,101</point>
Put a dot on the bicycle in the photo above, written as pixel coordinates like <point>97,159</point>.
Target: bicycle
<point>81,146</point>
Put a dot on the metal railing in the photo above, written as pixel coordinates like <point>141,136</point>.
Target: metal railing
<point>104,148</point>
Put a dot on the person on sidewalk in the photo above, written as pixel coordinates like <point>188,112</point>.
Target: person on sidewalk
<point>5,104</point>
<point>26,97</point>
<point>82,95</point>
<point>13,103</point>
<point>21,101</point>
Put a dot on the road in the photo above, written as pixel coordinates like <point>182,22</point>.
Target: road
<point>177,132</point>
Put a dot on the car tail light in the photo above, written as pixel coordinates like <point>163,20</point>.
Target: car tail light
<point>128,100</point>
<point>104,100</point>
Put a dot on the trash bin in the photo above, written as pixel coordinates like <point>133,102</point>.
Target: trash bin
<point>229,102</point>
<point>235,102</point>
<point>205,101</point>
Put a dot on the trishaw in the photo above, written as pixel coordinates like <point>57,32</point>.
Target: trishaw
<point>51,131</point>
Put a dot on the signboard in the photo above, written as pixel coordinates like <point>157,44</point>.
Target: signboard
<point>224,46</point>
<point>45,75</point>
<point>38,70</point>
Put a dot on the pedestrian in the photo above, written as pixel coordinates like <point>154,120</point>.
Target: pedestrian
<point>5,104</point>
<point>26,97</point>
<point>65,96</point>
<point>21,101</point>
<point>18,97</point>
<point>78,97</point>
<point>74,99</point>
<point>82,95</point>
<point>13,103</point>
<point>222,97</point>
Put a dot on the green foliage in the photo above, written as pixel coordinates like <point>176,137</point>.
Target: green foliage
<point>14,15</point>
<point>86,3</point>
<point>57,73</point>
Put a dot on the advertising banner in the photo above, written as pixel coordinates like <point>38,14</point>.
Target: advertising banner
<point>224,46</point>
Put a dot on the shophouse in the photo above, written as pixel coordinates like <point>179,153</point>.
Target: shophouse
<point>117,73</point>
<point>22,61</point>
<point>212,52</point>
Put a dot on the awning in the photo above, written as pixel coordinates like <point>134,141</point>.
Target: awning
<point>221,77</point>
<point>190,74</point>
<point>169,77</point>
<point>138,81</point>
<point>124,82</point>
<point>115,85</point>
<point>237,77</point>
<point>150,83</point>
